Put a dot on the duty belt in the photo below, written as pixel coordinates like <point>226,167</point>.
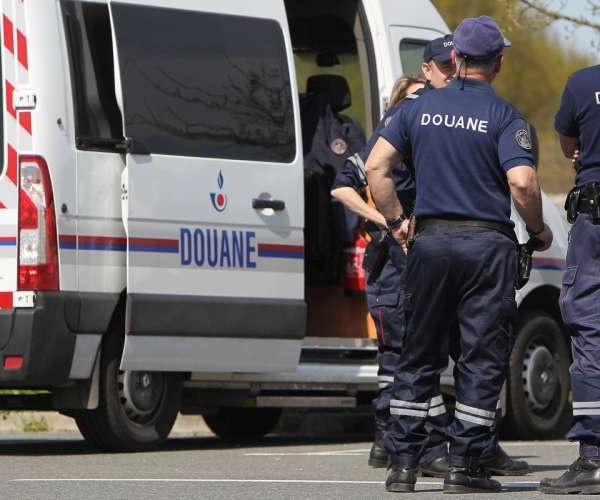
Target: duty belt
<point>584,200</point>
<point>429,226</point>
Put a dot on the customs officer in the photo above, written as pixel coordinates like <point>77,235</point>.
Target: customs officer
<point>471,150</point>
<point>578,125</point>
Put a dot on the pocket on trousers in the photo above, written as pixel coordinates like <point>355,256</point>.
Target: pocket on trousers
<point>384,299</point>
<point>509,319</point>
<point>565,300</point>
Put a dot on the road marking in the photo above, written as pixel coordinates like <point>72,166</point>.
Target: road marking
<point>332,453</point>
<point>509,444</point>
<point>506,484</point>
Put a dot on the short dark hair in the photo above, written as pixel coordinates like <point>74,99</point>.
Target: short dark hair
<point>485,65</point>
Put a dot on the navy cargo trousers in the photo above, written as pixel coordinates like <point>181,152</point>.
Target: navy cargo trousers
<point>465,278</point>
<point>385,297</point>
<point>580,307</point>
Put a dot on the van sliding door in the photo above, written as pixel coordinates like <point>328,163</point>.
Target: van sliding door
<point>212,196</point>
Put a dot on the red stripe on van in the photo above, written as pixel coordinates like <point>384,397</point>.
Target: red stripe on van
<point>9,42</point>
<point>6,300</point>
<point>25,120</point>
<point>22,49</point>
<point>9,99</point>
<point>11,171</point>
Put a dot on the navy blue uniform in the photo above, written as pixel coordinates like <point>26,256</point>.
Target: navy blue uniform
<point>385,295</point>
<point>579,116</point>
<point>462,140</point>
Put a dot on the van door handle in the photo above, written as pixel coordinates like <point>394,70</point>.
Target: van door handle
<point>276,205</point>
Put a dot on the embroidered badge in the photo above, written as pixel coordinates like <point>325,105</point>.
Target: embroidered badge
<point>338,146</point>
<point>523,139</point>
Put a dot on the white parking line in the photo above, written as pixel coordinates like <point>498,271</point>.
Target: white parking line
<point>332,453</point>
<point>508,444</point>
<point>506,484</point>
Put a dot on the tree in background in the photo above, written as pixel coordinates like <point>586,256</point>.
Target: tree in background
<point>535,70</point>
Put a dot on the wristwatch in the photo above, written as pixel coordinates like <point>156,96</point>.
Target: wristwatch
<point>394,223</point>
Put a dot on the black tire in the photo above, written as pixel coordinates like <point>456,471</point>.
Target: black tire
<point>538,380</point>
<point>242,424</point>
<point>118,424</point>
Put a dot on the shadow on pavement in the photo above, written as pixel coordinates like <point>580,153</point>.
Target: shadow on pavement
<point>50,444</point>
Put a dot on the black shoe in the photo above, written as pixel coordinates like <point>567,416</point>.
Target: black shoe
<point>378,456</point>
<point>436,468</point>
<point>583,476</point>
<point>401,479</point>
<point>502,465</point>
<point>466,480</point>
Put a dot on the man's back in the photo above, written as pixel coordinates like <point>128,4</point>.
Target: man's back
<point>462,140</point>
<point>579,116</point>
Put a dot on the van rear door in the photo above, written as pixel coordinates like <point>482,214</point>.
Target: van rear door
<point>212,190</point>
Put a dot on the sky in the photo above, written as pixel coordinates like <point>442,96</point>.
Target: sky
<point>579,38</point>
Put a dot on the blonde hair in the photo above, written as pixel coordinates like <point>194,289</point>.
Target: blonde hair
<point>400,88</point>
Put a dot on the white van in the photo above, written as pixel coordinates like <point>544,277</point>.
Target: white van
<point>152,216</point>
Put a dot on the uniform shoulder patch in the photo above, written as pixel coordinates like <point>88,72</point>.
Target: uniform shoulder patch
<point>387,121</point>
<point>523,139</point>
<point>338,146</point>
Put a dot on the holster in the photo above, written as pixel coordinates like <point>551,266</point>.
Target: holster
<point>523,266</point>
<point>377,251</point>
<point>584,200</point>
<point>524,258</point>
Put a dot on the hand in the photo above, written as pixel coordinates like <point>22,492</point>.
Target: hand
<point>400,233</point>
<point>545,237</point>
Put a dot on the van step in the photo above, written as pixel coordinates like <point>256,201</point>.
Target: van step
<point>305,402</point>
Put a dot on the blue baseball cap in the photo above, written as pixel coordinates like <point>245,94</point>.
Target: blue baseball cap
<point>438,49</point>
<point>479,37</point>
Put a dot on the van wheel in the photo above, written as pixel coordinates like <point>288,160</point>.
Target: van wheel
<point>136,409</point>
<point>538,379</point>
<point>242,424</point>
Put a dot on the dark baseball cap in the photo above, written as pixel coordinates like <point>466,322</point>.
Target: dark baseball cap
<point>479,37</point>
<point>438,49</point>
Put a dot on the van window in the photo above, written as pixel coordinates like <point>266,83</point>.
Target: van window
<point>204,84</point>
<point>98,122</point>
<point>411,55</point>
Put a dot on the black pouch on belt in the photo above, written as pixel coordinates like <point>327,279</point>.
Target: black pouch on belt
<point>377,251</point>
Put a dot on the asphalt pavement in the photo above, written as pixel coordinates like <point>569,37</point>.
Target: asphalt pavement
<point>61,466</point>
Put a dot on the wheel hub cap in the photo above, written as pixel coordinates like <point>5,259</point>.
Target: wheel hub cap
<point>140,393</point>
<point>540,376</point>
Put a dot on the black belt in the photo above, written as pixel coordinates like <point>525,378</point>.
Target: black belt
<point>429,226</point>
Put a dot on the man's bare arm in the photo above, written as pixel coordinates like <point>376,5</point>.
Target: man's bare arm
<point>379,166</point>
<point>527,197</point>
<point>352,200</point>
<point>569,145</point>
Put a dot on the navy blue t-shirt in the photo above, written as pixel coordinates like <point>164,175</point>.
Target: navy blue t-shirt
<point>579,116</point>
<point>462,140</point>
<point>348,176</point>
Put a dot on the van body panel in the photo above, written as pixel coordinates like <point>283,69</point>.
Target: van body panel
<point>190,189</point>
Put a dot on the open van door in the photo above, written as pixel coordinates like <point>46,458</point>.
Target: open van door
<point>212,189</point>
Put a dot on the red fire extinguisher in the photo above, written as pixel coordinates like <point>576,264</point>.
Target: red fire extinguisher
<point>355,276</point>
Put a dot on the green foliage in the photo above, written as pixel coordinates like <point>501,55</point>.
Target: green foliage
<point>535,70</point>
<point>33,424</point>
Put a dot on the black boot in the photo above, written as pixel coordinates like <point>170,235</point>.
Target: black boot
<point>401,479</point>
<point>502,465</point>
<point>582,477</point>
<point>435,468</point>
<point>469,480</point>
<point>378,456</point>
